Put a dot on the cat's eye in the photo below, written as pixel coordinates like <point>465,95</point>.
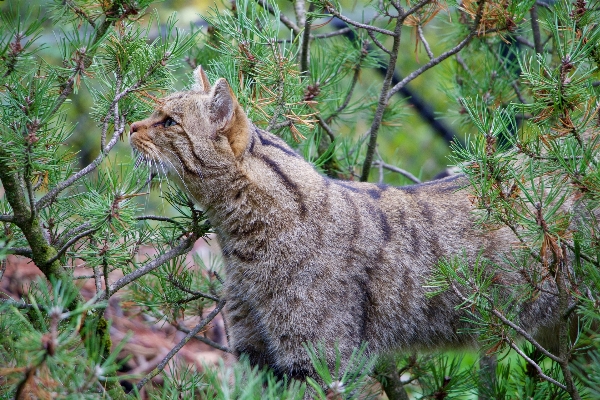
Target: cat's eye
<point>169,122</point>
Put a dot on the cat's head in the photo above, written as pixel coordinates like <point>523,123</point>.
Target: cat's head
<point>203,128</point>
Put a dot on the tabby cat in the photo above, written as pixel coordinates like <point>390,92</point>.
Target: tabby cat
<point>309,258</point>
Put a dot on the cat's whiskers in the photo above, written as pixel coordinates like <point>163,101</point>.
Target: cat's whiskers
<point>158,166</point>
<point>163,158</point>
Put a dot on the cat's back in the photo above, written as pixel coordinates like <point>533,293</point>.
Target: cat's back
<point>432,219</point>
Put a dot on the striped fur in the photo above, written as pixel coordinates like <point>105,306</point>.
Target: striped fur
<point>313,259</point>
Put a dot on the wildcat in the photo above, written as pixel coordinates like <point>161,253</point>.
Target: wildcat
<point>309,258</point>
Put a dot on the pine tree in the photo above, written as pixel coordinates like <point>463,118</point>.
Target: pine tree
<point>522,76</point>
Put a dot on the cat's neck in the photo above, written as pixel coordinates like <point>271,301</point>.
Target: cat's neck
<point>266,187</point>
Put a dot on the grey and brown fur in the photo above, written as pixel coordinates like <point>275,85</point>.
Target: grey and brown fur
<point>312,259</point>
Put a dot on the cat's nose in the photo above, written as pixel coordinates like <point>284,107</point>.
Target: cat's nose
<point>134,127</point>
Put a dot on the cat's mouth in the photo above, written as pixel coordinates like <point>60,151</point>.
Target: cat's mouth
<point>139,147</point>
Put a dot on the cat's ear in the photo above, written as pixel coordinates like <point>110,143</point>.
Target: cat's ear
<point>227,114</point>
<point>201,82</point>
<point>222,103</point>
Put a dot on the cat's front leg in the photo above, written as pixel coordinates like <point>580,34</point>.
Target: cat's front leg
<point>300,328</point>
<point>246,333</point>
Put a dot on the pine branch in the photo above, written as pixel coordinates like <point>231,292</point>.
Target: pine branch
<point>524,41</point>
<point>464,66</point>
<point>183,247</point>
<point>539,369</point>
<point>112,15</point>
<point>382,103</point>
<point>49,197</point>
<point>46,200</point>
<point>357,68</point>
<point>442,57</point>
<point>69,243</point>
<point>180,345</point>
<point>6,218</point>
<point>506,321</point>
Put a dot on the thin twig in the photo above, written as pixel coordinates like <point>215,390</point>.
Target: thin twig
<point>115,108</point>
<point>378,43</point>
<point>357,68</point>
<point>339,32</point>
<point>300,11</point>
<point>279,106</point>
<point>535,28</point>
<point>157,218</point>
<point>17,304</point>
<point>80,277</point>
<point>393,168</point>
<point>6,218</point>
<point>414,9</point>
<point>203,339</point>
<point>179,345</point>
<point>305,47</point>
<point>62,239</point>
<point>216,274</point>
<point>20,251</point>
<point>79,11</point>
<point>464,66</point>
<point>513,82</point>
<point>333,11</point>
<point>534,365</point>
<point>326,128</point>
<point>3,264</point>
<point>544,4</point>
<point>181,287</point>
<point>183,247</point>
<point>97,279</point>
<point>282,124</point>
<point>524,41</point>
<point>425,44</point>
<point>70,243</point>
